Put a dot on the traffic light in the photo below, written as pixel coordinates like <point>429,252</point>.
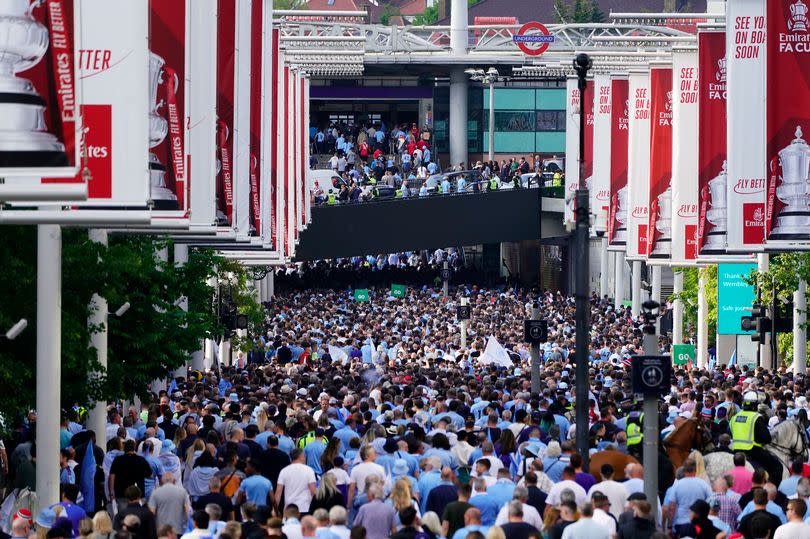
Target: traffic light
<point>758,322</point>
<point>783,318</point>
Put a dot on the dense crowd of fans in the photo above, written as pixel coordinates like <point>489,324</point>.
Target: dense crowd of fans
<point>375,419</point>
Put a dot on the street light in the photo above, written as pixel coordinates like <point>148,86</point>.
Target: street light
<point>582,64</point>
<point>490,76</point>
<point>15,330</point>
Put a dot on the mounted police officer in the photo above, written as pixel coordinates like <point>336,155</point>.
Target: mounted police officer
<point>750,434</point>
<point>635,434</point>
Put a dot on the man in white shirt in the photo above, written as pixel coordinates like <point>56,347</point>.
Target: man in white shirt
<point>795,528</point>
<point>568,482</point>
<point>601,507</point>
<point>361,472</point>
<point>297,482</point>
<point>530,514</point>
<point>615,492</point>
<point>586,527</point>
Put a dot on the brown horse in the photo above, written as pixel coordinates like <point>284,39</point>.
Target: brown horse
<point>617,459</point>
<point>691,434</point>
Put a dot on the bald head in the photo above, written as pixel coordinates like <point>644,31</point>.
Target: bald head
<point>472,516</point>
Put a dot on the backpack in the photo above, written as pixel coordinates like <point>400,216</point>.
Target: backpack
<point>230,486</point>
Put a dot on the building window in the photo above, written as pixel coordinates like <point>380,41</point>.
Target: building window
<point>550,120</point>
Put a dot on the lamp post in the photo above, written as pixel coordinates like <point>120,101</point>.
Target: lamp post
<point>490,76</point>
<point>651,312</point>
<point>582,63</point>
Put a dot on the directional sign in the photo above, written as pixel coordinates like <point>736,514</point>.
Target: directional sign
<point>534,34</point>
<point>444,273</point>
<point>651,375</point>
<point>535,331</point>
<point>463,312</point>
<point>682,354</point>
<point>398,290</point>
<point>361,294</point>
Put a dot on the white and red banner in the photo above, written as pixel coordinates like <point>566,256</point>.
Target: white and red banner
<point>659,220</point>
<point>289,79</point>
<point>572,108</point>
<point>41,90</point>
<point>787,205</point>
<point>746,171</point>
<point>618,211</point>
<point>112,63</point>
<point>168,38</point>
<point>254,164</point>
<point>685,138</point>
<point>712,170</point>
<point>201,125</point>
<point>277,102</point>
<point>281,149</point>
<point>638,168</point>
<point>600,180</point>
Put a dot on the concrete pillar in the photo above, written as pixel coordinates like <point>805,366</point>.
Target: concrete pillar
<point>656,293</point>
<point>636,288</point>
<point>158,385</point>
<point>180,259</point>
<point>459,32</point>
<point>604,269</point>
<point>677,310</point>
<point>270,284</point>
<point>703,323</point>
<point>618,279</point>
<point>799,333</point>
<point>458,117</point>
<point>49,367</point>
<point>97,416</point>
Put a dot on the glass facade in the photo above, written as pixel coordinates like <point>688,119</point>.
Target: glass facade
<point>527,120</point>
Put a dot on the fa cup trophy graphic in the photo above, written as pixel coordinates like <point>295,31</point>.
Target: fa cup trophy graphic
<point>717,215</point>
<point>162,197</point>
<point>793,221</point>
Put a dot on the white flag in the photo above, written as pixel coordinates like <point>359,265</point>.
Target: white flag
<point>338,354</point>
<point>495,353</point>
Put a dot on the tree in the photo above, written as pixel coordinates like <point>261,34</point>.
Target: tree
<point>583,11</point>
<point>428,17</point>
<point>289,4</point>
<point>387,12</point>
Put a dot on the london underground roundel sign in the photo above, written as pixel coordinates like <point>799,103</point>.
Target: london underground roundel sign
<point>530,36</point>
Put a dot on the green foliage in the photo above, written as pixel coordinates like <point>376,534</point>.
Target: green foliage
<point>689,297</point>
<point>583,11</point>
<point>289,4</point>
<point>154,337</point>
<point>428,17</point>
<point>387,12</point>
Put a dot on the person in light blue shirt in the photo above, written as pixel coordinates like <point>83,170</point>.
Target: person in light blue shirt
<point>478,408</point>
<point>255,487</point>
<point>432,168</point>
<point>423,191</point>
<point>379,136</point>
<point>770,507</point>
<point>461,185</point>
<point>430,477</point>
<point>788,486</point>
<point>445,186</point>
<point>285,443</point>
<point>503,488</point>
<point>426,155</point>
<point>314,450</point>
<point>485,502</point>
<point>346,434</point>
<point>684,493</point>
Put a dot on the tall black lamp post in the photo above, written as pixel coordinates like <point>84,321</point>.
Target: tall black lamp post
<point>582,63</point>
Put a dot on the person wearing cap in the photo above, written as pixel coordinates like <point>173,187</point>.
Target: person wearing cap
<point>613,490</point>
<point>700,527</point>
<point>20,528</point>
<point>601,512</point>
<point>750,434</point>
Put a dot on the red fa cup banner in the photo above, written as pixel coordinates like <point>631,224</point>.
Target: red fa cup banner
<point>659,227</point>
<point>273,123</point>
<point>745,124</point>
<point>685,88</point>
<point>638,159</point>
<point>617,219</point>
<point>589,123</point>
<point>787,205</point>
<point>167,81</point>
<point>40,100</point>
<point>226,84</point>
<point>600,180</point>
<point>256,66</point>
<point>572,108</point>
<point>289,193</point>
<point>712,224</point>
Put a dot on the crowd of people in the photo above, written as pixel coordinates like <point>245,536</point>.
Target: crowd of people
<point>383,418</point>
<point>368,157</point>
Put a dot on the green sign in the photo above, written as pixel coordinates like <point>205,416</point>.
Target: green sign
<point>627,303</point>
<point>361,294</point>
<point>734,297</point>
<point>683,354</point>
<point>398,290</point>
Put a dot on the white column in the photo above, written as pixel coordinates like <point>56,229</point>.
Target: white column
<point>49,368</point>
<point>677,310</point>
<point>703,323</point>
<point>458,116</point>
<point>97,416</point>
<point>158,385</point>
<point>618,279</point>
<point>656,293</point>
<point>765,355</point>
<point>636,288</point>
<point>459,26</point>
<point>270,283</point>
<point>180,259</point>
<point>799,333</point>
<point>604,271</point>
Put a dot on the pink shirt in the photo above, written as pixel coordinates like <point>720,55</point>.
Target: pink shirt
<point>742,479</point>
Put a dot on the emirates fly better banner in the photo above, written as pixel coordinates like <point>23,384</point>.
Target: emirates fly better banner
<point>787,207</point>
<point>571,147</point>
<point>684,155</point>
<point>745,185</point>
<point>638,159</point>
<point>712,169</point>
<point>617,220</point>
<point>659,227</point>
<point>600,181</point>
